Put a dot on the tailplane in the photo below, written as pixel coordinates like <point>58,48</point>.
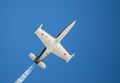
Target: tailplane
<point>34,58</point>
<point>42,65</point>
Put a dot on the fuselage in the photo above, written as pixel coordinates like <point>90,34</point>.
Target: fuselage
<point>51,44</point>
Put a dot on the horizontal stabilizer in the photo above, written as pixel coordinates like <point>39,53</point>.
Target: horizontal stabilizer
<point>40,64</point>
<point>32,56</point>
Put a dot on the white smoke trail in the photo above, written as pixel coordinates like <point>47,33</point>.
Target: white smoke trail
<point>25,74</point>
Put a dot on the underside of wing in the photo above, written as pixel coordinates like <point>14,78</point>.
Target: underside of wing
<point>65,31</point>
<point>62,53</point>
<point>64,56</point>
<point>38,32</point>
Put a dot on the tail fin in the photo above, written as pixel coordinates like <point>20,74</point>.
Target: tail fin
<point>40,64</point>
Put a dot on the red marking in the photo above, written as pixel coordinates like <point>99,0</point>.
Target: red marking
<point>64,54</point>
<point>42,33</point>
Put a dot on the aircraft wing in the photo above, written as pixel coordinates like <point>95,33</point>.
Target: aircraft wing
<point>38,33</point>
<point>62,53</point>
<point>65,31</point>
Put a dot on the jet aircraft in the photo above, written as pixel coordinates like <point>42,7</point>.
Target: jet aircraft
<point>52,45</point>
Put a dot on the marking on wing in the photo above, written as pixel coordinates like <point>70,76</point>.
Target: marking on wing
<point>42,33</point>
<point>64,54</point>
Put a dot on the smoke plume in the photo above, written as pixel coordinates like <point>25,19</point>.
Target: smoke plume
<point>25,74</point>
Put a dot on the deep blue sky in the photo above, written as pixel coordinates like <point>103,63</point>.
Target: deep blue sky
<point>95,40</point>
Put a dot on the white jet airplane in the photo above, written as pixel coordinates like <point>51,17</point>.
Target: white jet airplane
<point>52,45</point>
